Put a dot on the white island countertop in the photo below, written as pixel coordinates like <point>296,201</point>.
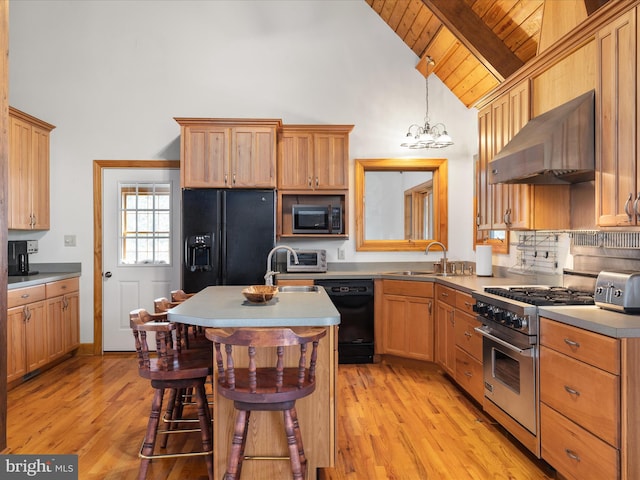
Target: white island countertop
<point>225,306</point>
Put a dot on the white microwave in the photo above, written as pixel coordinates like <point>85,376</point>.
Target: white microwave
<point>308,261</point>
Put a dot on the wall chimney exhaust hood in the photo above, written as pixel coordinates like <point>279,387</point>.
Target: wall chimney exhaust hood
<point>556,147</point>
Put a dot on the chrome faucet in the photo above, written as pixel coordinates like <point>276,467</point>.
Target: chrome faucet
<point>443,262</point>
<point>268,277</point>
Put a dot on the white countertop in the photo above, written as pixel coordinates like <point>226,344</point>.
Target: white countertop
<point>595,319</point>
<point>47,272</point>
<point>225,306</point>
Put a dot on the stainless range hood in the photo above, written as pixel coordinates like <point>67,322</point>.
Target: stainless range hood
<point>556,147</point>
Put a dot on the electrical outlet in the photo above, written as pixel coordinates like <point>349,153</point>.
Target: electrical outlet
<point>69,240</point>
<point>340,253</point>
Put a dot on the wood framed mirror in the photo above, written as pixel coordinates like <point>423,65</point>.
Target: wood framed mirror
<point>401,203</point>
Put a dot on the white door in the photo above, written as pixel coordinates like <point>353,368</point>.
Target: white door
<point>140,245</point>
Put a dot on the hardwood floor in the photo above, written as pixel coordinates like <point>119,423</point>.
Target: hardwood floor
<point>394,422</point>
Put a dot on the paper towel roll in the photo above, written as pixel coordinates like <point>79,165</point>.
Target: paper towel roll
<point>484,257</point>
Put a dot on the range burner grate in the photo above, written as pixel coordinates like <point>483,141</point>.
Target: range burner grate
<point>544,296</point>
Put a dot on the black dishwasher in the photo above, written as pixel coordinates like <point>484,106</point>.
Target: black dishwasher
<point>353,298</point>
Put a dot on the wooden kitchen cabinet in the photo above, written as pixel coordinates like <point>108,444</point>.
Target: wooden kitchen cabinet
<point>63,303</point>
<point>512,206</point>
<point>581,406</point>
<point>228,153</point>
<point>407,319</point>
<point>617,169</point>
<point>43,325</point>
<point>28,175</point>
<point>313,157</point>
<point>445,328</point>
<point>468,347</point>
<point>27,331</point>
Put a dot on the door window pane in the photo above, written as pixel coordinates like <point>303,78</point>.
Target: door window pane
<point>145,226</point>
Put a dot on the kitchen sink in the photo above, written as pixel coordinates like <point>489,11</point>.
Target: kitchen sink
<point>411,272</point>
<point>299,288</point>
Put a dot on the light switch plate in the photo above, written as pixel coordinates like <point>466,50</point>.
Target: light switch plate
<point>69,240</point>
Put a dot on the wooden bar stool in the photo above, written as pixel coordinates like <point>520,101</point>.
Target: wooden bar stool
<point>271,388</point>
<point>187,335</point>
<point>178,296</point>
<point>178,399</point>
<point>168,369</point>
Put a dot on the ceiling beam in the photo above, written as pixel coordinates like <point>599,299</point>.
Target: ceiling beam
<point>472,32</point>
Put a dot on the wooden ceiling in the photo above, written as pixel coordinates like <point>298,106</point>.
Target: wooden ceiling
<point>473,44</point>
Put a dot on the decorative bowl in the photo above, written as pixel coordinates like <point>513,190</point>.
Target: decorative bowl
<point>260,293</point>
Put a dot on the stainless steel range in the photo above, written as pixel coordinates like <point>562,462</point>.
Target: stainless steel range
<point>509,317</point>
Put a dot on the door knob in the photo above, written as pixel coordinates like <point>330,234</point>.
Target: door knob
<point>108,274</point>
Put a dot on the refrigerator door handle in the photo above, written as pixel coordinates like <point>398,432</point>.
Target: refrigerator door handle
<point>222,238</point>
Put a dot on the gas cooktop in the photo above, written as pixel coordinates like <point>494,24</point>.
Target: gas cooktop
<point>544,296</point>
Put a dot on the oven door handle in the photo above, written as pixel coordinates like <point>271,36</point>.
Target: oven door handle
<point>505,344</point>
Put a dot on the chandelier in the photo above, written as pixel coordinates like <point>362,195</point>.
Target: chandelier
<point>427,135</point>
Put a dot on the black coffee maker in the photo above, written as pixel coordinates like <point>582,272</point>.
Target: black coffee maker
<point>18,259</point>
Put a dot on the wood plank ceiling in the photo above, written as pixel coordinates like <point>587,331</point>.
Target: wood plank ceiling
<point>474,44</point>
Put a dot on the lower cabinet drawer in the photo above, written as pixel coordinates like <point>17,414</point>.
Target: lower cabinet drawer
<point>468,374</point>
<point>585,394</point>
<point>466,336</point>
<point>61,287</point>
<point>573,451</point>
<point>22,296</point>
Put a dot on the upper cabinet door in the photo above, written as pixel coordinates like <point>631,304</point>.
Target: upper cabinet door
<point>485,153</point>
<point>253,159</point>
<point>295,163</point>
<point>501,135</point>
<point>204,156</point>
<point>331,164</point>
<point>518,214</point>
<point>617,184</point>
<point>19,174</point>
<point>28,189</point>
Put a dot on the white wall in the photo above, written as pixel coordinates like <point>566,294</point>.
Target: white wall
<point>111,75</point>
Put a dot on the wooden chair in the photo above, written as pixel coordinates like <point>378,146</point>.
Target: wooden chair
<point>185,336</point>
<point>178,399</point>
<point>197,333</point>
<point>180,295</point>
<point>273,388</point>
<point>168,369</point>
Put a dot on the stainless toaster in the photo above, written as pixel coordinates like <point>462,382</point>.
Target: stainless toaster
<point>619,291</point>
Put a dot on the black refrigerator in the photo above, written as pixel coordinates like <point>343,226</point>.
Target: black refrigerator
<point>226,236</point>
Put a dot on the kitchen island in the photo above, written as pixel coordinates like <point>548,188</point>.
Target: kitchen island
<point>225,306</point>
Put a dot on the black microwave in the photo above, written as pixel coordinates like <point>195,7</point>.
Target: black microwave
<point>317,219</point>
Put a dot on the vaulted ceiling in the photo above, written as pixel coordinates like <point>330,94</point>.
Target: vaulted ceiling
<point>473,45</point>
